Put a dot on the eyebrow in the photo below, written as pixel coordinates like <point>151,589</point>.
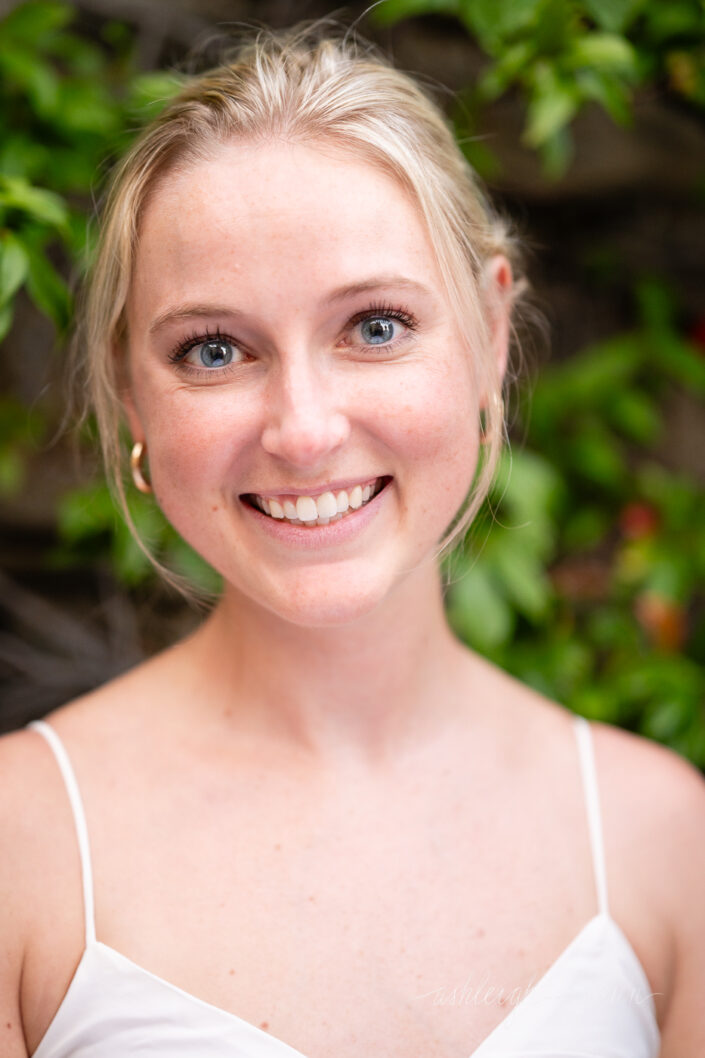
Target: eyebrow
<point>196,311</point>
<point>374,283</point>
<point>188,312</point>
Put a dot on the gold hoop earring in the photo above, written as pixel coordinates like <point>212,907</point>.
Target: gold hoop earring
<point>136,456</point>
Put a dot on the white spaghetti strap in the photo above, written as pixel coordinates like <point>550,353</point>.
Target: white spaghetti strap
<point>592,803</point>
<point>79,820</point>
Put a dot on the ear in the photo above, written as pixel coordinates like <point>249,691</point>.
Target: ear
<point>127,399</point>
<point>132,415</point>
<point>498,286</point>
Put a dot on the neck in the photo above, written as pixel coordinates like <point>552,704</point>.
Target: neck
<point>367,691</point>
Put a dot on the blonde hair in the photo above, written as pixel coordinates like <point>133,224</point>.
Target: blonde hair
<point>304,84</point>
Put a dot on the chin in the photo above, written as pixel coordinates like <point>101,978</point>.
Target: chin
<point>320,610</point>
<point>317,601</point>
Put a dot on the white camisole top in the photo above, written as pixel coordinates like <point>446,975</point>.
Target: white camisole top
<point>594,1001</point>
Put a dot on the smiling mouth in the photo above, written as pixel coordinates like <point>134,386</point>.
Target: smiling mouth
<point>322,509</point>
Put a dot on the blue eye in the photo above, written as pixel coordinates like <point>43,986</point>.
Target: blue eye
<point>376,330</point>
<point>216,352</point>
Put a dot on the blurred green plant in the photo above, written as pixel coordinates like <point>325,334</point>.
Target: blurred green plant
<point>67,106</point>
<point>90,527</point>
<point>590,585</point>
<point>563,54</point>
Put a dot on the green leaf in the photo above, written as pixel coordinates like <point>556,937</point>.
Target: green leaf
<point>47,289</point>
<point>85,512</point>
<point>597,703</point>
<point>635,415</point>
<point>585,528</point>
<point>529,491</point>
<point>556,153</point>
<point>22,156</point>
<point>656,304</point>
<point>11,471</point>
<point>609,92</point>
<point>40,204</point>
<point>32,74</point>
<point>83,107</point>
<point>6,313</point>
<point>391,11</point>
<point>591,377</point>
<point>13,265</point>
<point>677,18</point>
<point>130,563</point>
<point>32,23</point>
<point>613,15</point>
<point>481,157</point>
<point>152,91</point>
<point>680,361</point>
<point>598,456</point>
<point>552,104</point>
<point>522,576</point>
<point>494,20</point>
<point>478,611</point>
<point>670,576</point>
<point>511,63</point>
<point>603,51</point>
<point>82,57</point>
<point>189,564</point>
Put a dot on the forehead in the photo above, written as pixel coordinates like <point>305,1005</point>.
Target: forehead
<point>298,215</point>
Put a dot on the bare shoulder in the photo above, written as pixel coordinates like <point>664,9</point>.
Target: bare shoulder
<point>25,780</point>
<point>34,807</point>
<point>25,791</point>
<point>653,801</point>
<point>38,843</point>
<point>659,793</point>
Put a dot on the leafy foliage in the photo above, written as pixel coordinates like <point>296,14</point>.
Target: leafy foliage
<point>66,105</point>
<point>589,585</point>
<point>563,54</point>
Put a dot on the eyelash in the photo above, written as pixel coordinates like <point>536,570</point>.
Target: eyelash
<point>386,310</point>
<point>185,346</point>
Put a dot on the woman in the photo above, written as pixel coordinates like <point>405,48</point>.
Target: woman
<point>320,819</point>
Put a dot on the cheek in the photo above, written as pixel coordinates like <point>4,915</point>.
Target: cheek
<point>194,444</point>
<point>433,419</point>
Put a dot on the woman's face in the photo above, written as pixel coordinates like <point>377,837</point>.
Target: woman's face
<point>291,353</point>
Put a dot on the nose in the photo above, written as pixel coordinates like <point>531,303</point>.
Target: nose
<point>304,421</point>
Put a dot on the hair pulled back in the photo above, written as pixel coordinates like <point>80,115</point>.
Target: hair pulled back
<point>305,84</point>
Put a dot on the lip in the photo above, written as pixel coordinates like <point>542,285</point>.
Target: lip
<point>315,490</point>
<point>319,536</point>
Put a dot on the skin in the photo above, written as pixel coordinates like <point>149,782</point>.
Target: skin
<point>375,777</point>
<point>308,405</point>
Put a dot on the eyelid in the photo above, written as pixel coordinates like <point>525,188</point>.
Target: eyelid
<point>192,341</point>
<point>389,311</point>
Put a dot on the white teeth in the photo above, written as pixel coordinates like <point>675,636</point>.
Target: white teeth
<point>326,505</point>
<point>306,509</point>
<point>326,508</point>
